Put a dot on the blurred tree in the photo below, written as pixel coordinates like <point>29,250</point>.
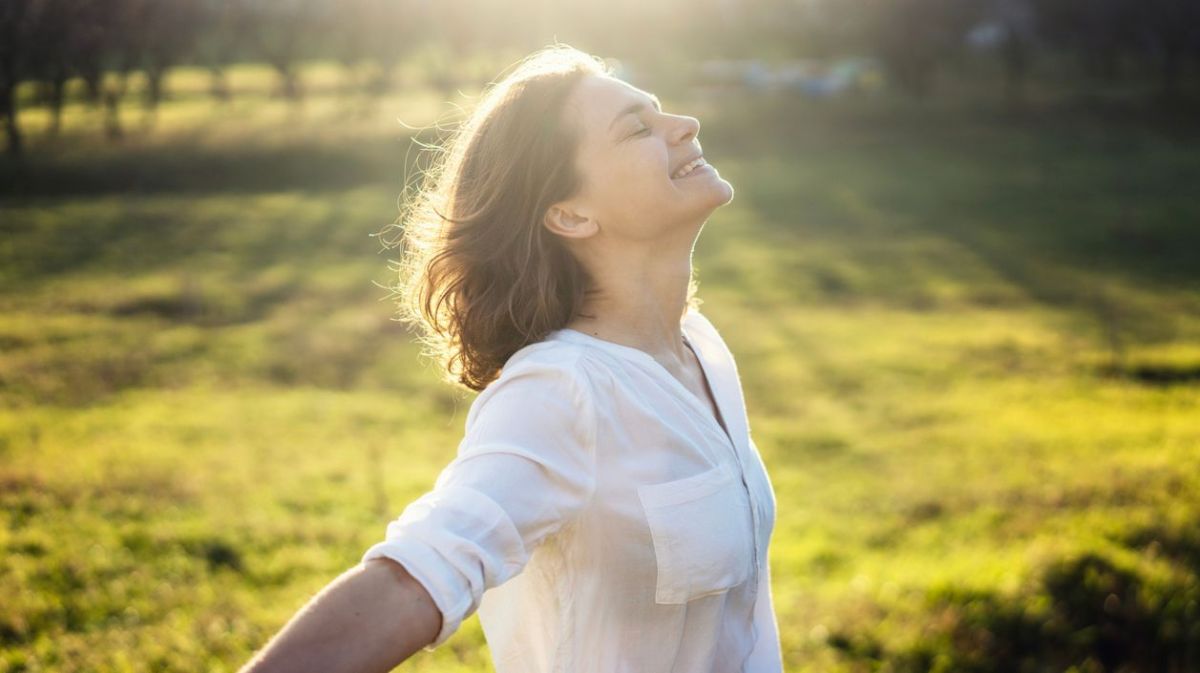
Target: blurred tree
<point>651,37</point>
<point>374,35</point>
<point>1015,21</point>
<point>1171,29</point>
<point>452,23</point>
<point>51,54</point>
<point>510,27</point>
<point>169,33</point>
<point>103,41</point>
<point>395,29</point>
<point>822,29</point>
<point>782,24</point>
<point>93,34</point>
<point>16,19</point>
<point>118,56</point>
<point>723,28</point>
<point>281,29</point>
<point>1100,32</point>
<point>914,37</point>
<point>223,36</point>
<point>1016,52</point>
<point>349,29</point>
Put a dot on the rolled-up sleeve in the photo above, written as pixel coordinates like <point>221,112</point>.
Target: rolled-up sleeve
<point>525,468</point>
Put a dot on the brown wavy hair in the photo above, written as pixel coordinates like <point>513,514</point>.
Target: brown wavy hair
<point>480,275</point>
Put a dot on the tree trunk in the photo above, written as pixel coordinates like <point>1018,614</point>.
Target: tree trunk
<point>8,110</point>
<point>218,86</point>
<point>381,81</point>
<point>1016,68</point>
<point>58,89</point>
<point>112,111</point>
<point>154,86</point>
<point>289,84</point>
<point>1171,70</point>
<point>92,80</point>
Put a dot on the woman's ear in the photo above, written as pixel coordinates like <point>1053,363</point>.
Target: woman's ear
<point>564,221</point>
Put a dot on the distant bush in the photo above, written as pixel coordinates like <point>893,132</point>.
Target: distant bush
<point>1087,612</point>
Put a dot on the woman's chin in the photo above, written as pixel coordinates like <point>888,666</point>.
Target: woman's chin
<point>721,191</point>
<point>728,189</point>
<point>708,181</point>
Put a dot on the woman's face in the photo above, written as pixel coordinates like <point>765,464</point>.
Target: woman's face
<point>629,155</point>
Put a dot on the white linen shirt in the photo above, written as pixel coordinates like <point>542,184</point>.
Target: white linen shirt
<point>600,519</point>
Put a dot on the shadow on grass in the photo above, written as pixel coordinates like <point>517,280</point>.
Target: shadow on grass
<point>1156,375</point>
<point>198,169</point>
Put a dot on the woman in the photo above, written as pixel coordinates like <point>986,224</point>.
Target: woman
<point>607,510</point>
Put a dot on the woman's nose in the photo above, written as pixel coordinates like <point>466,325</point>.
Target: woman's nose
<point>686,128</point>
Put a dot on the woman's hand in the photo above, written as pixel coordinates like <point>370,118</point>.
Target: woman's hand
<point>371,618</point>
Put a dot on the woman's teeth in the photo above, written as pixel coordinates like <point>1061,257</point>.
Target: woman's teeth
<point>699,161</point>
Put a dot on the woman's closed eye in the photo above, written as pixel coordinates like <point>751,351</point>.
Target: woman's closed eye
<point>641,132</point>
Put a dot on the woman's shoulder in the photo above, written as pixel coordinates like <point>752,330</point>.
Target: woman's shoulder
<point>550,353</point>
<point>540,375</point>
<point>551,364</point>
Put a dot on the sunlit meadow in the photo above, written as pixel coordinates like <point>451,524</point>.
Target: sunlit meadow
<point>969,342</point>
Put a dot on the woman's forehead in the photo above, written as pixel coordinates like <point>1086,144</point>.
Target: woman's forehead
<point>611,88</point>
<point>601,99</point>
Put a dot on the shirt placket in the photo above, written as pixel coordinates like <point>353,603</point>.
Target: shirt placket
<point>737,456</point>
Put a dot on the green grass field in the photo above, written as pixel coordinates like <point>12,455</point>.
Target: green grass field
<point>969,341</point>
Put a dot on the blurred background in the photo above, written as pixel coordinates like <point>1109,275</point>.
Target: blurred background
<point>966,234</point>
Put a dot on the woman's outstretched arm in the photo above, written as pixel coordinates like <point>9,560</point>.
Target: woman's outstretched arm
<point>371,618</point>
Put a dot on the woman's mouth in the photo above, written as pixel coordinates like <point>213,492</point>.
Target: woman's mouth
<point>691,168</point>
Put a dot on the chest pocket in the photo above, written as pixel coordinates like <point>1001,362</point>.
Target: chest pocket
<point>701,531</point>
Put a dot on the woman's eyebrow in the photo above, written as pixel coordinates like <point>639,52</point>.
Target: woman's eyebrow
<point>635,107</point>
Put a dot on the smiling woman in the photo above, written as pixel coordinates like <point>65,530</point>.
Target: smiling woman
<point>607,510</point>
<point>497,242</point>
<point>480,274</point>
